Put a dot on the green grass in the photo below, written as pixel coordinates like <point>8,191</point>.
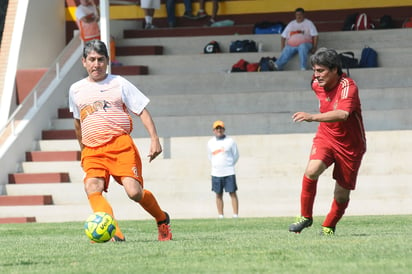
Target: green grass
<point>364,244</point>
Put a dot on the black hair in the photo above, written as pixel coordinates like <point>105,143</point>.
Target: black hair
<point>300,10</point>
<point>328,58</point>
<point>97,46</point>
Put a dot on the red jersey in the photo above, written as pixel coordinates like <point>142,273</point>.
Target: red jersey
<point>345,137</point>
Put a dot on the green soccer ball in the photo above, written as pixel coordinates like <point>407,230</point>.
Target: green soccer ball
<point>100,227</point>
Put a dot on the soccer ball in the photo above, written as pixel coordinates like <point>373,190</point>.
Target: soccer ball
<point>100,227</point>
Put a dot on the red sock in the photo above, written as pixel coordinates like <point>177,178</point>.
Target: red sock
<point>335,214</point>
<point>149,203</point>
<point>99,204</point>
<point>307,196</point>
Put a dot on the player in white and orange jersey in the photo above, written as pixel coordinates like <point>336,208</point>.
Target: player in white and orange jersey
<point>101,104</point>
<point>340,139</point>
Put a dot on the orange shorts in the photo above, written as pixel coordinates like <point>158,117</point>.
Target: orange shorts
<point>118,158</point>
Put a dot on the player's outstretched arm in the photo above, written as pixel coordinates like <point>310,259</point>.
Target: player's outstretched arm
<point>330,116</point>
<point>155,146</point>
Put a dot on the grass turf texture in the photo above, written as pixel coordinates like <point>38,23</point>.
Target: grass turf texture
<point>363,244</point>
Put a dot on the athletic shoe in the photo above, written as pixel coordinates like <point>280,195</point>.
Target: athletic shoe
<point>163,227</point>
<point>201,14</point>
<point>117,239</point>
<point>300,224</point>
<point>327,231</point>
<point>149,26</point>
<point>210,23</point>
<point>190,16</point>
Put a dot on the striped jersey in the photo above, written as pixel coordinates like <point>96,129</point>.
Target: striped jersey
<point>346,137</point>
<point>104,108</point>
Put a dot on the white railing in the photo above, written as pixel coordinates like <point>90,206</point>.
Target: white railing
<point>30,103</point>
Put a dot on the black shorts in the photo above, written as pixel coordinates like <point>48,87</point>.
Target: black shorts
<point>228,183</point>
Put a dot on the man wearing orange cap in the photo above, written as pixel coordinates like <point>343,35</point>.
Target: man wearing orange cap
<point>223,155</point>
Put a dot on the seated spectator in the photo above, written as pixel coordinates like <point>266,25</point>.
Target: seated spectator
<point>202,12</point>
<point>171,16</point>
<point>149,7</point>
<point>299,36</point>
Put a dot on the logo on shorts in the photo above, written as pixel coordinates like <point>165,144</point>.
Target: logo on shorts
<point>135,171</point>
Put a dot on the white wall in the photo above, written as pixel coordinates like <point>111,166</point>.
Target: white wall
<point>43,35</point>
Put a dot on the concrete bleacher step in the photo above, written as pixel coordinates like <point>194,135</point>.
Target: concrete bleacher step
<point>39,177</point>
<point>130,70</point>
<point>52,134</point>
<point>17,220</point>
<point>218,63</point>
<point>366,78</point>
<point>64,112</point>
<point>63,194</point>
<point>47,156</point>
<point>25,200</point>
<point>339,40</point>
<point>188,31</point>
<point>138,50</point>
<point>60,171</point>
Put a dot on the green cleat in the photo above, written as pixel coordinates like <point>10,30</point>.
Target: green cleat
<point>327,231</point>
<point>300,224</point>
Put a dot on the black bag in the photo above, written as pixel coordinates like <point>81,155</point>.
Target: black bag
<point>212,47</point>
<point>350,21</point>
<point>386,22</point>
<point>267,64</point>
<point>348,60</point>
<point>243,46</point>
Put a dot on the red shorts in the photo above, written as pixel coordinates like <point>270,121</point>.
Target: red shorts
<point>345,171</point>
<point>118,158</point>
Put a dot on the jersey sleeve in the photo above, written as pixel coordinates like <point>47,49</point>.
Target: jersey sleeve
<point>349,96</point>
<point>133,98</point>
<point>72,105</point>
<point>313,29</point>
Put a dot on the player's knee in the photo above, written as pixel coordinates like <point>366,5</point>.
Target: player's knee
<point>92,185</point>
<point>136,196</point>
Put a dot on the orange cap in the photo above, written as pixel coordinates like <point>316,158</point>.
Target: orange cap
<point>218,123</point>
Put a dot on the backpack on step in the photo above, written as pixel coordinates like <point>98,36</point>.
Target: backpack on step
<point>350,21</point>
<point>243,46</point>
<point>407,23</point>
<point>240,66</point>
<point>363,22</point>
<point>348,60</point>
<point>267,64</point>
<point>211,47</point>
<point>266,27</point>
<point>386,22</point>
<point>369,58</point>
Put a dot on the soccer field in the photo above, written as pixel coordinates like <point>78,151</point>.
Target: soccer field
<point>362,244</point>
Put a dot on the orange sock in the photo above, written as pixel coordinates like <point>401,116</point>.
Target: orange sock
<point>99,204</point>
<point>149,203</point>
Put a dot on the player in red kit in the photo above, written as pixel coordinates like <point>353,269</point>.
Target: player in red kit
<point>340,139</point>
